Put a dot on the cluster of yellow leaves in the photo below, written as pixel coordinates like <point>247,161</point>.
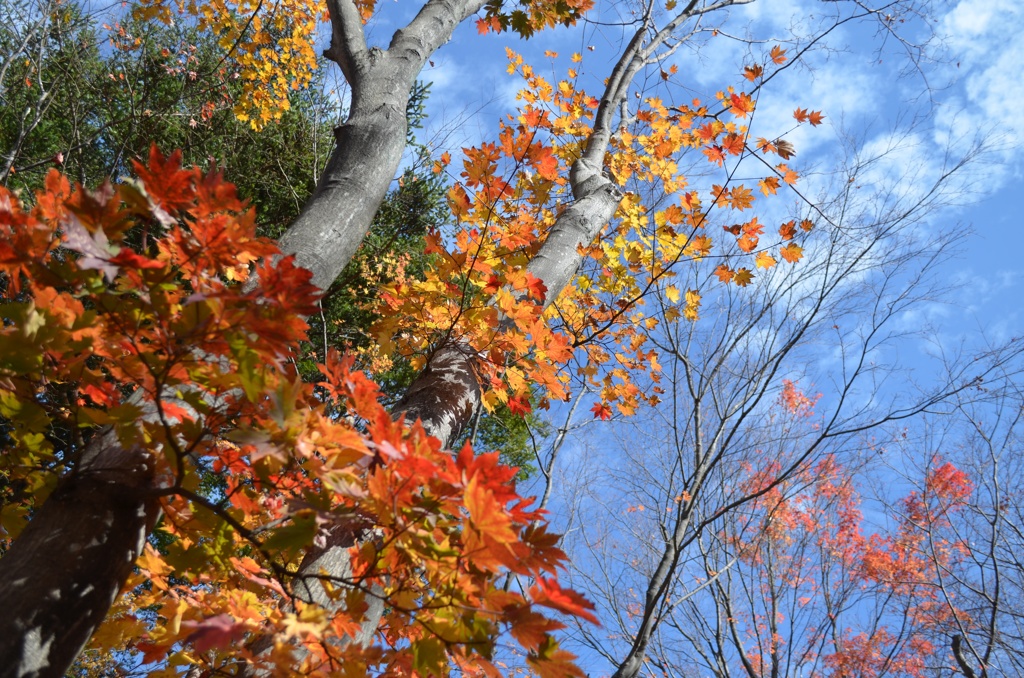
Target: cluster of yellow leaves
<point>254,466</point>
<point>272,45</point>
<point>508,196</point>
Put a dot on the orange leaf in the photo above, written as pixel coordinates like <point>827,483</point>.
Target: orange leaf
<point>778,54</point>
<point>743,277</point>
<point>549,593</point>
<point>458,201</point>
<point>741,105</point>
<point>792,252</point>
<point>715,155</point>
<point>544,162</point>
<point>733,143</point>
<point>519,406</point>
<point>742,198</point>
<point>769,185</point>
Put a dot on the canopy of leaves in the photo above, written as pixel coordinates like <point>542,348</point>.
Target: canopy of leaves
<point>97,331</point>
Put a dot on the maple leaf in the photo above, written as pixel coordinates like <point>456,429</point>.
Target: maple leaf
<point>800,114</point>
<point>493,530</point>
<point>130,259</point>
<point>766,146</point>
<point>788,230</point>
<point>792,252</point>
<point>536,288</point>
<point>458,201</point>
<point>788,175</point>
<point>815,118</point>
<point>778,54</point>
<point>519,406</point>
<point>724,273</point>
<point>531,629</point>
<point>94,247</point>
<point>601,411</point>
<point>741,104</point>
<point>742,198</point>
<point>214,633</point>
<point>551,661</point>
<point>544,162</point>
<point>747,242</point>
<point>167,185</point>
<point>764,260</point>
<point>692,305</point>
<point>743,277</point>
<point>708,132</point>
<point>549,593</point>
<point>769,185</point>
<point>733,144</point>
<point>715,155</point>
<point>752,73</point>
<point>785,149</point>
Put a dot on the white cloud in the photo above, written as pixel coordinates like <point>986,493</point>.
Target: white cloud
<point>984,39</point>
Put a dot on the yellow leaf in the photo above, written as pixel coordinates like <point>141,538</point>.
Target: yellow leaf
<point>692,305</point>
<point>672,293</point>
<point>764,260</point>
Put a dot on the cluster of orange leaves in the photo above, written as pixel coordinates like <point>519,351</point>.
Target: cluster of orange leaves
<point>804,543</point>
<point>507,196</point>
<point>126,307</point>
<point>530,16</point>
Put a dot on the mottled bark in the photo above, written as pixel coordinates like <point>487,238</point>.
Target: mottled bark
<point>370,143</point>
<point>61,575</point>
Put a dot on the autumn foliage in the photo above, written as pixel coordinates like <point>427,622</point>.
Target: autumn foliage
<point>506,196</point>
<point>821,589</point>
<point>151,307</point>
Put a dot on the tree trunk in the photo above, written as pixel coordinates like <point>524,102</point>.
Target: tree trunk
<point>60,577</point>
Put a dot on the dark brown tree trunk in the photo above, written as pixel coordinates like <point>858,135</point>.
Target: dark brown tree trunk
<point>61,575</point>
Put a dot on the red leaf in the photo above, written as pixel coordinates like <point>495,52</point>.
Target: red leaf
<point>544,162</point>
<point>549,593</point>
<point>167,185</point>
<point>519,406</point>
<point>214,633</point>
<point>130,259</point>
<point>536,289</point>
